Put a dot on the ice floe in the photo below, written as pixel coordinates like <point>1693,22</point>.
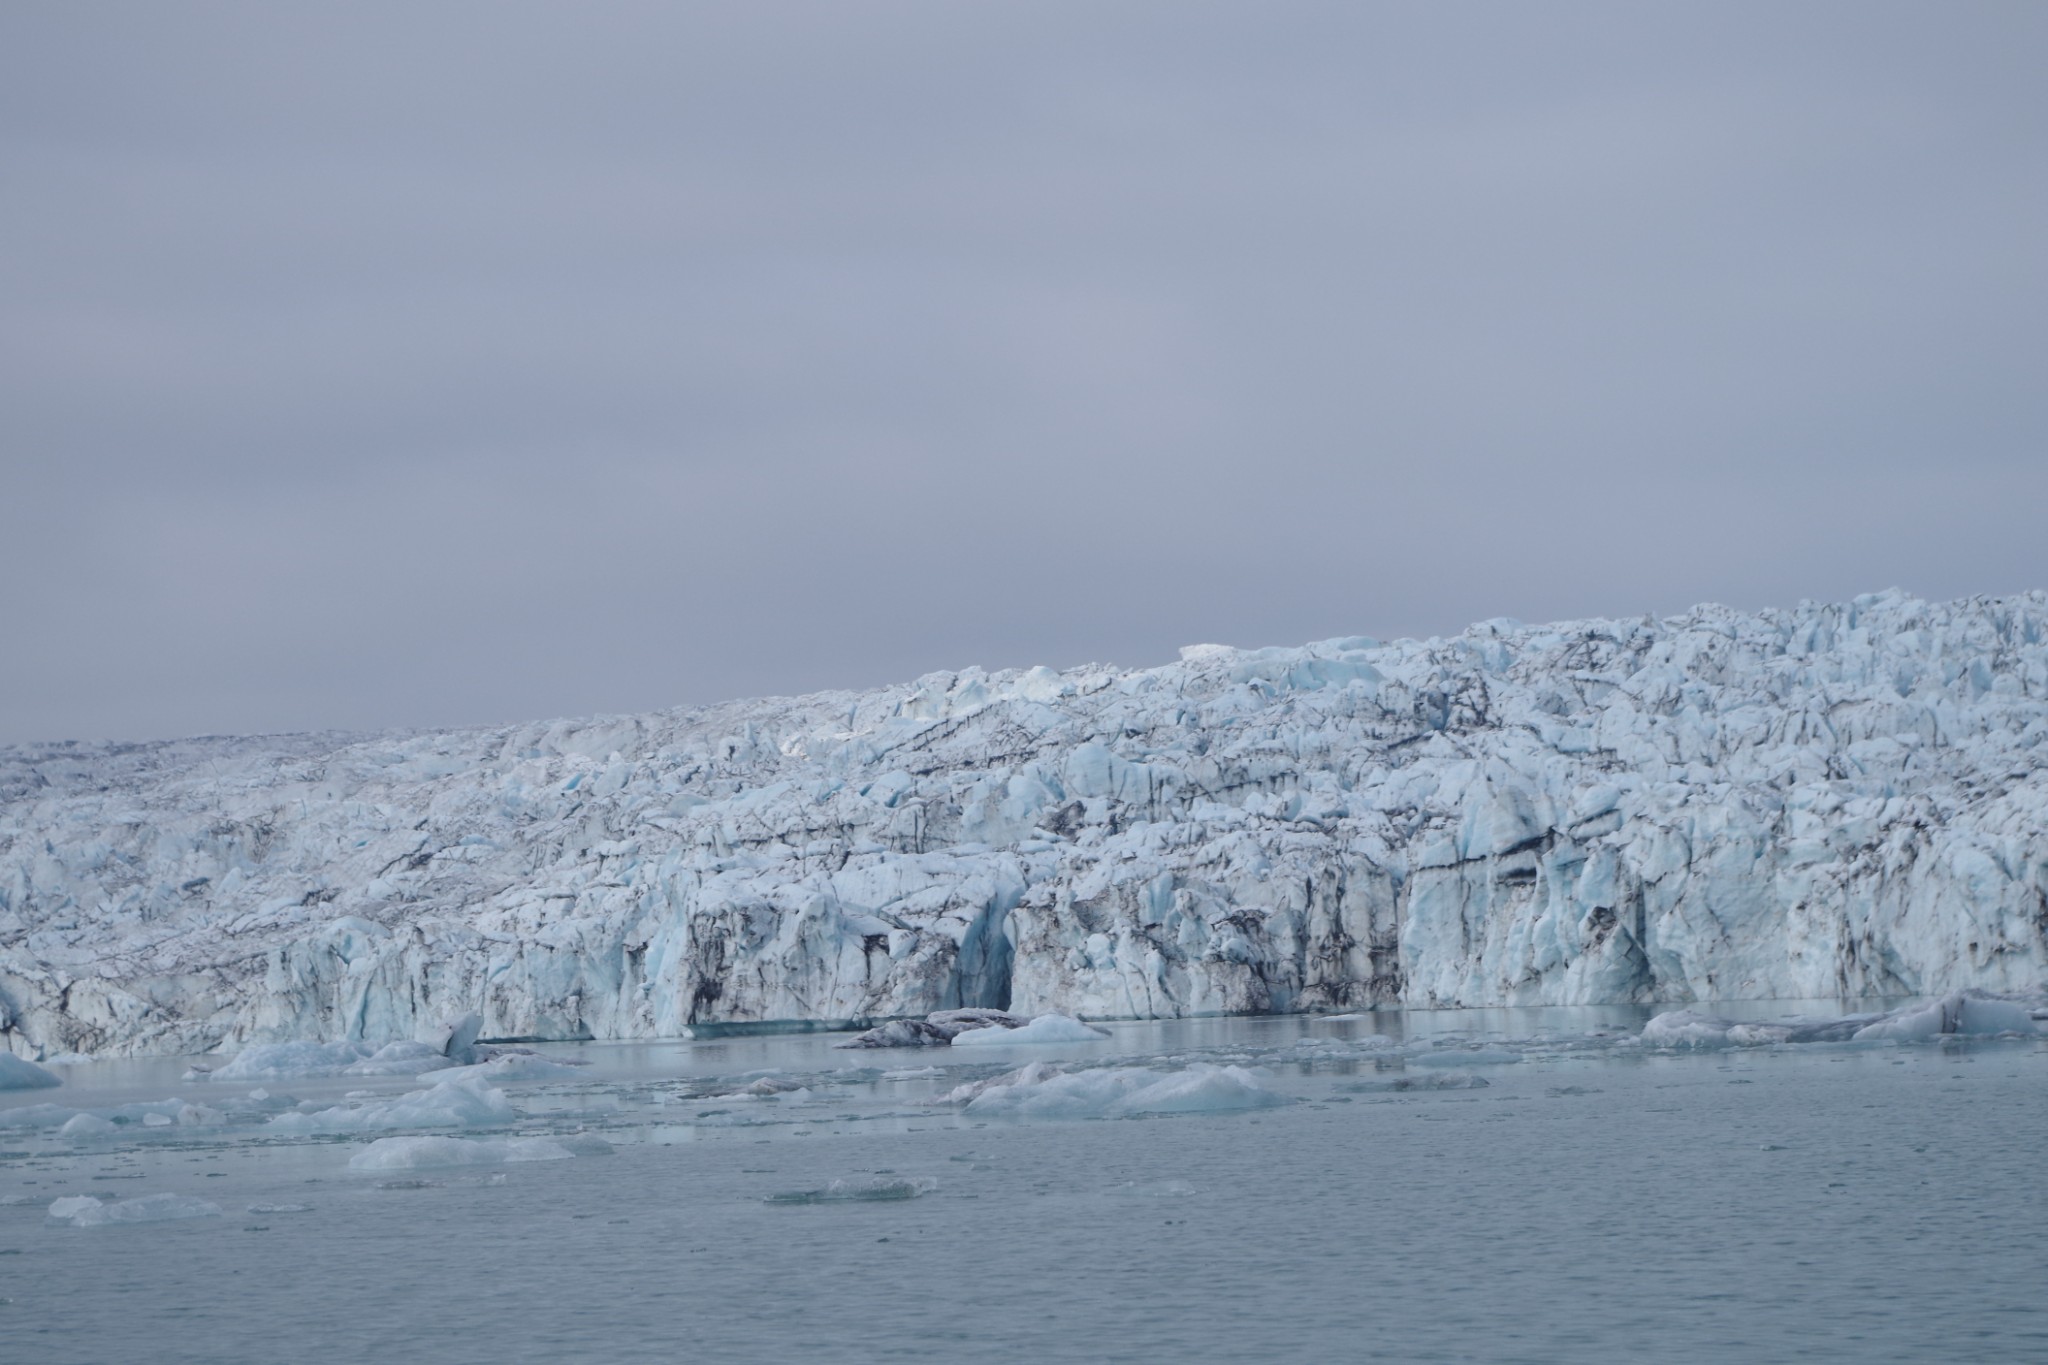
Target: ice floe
<point>18,1073</point>
<point>1046,1028</point>
<point>451,1104</point>
<point>1041,1092</point>
<point>872,1190</point>
<point>419,1153</point>
<point>1960,1013</point>
<point>84,1211</point>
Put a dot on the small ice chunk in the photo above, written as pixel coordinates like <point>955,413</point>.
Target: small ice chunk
<point>1114,1092</point>
<point>416,1153</point>
<point>1046,1028</point>
<point>1687,1028</point>
<point>19,1073</point>
<point>280,1208</point>
<point>157,1121</point>
<point>85,1127</point>
<point>900,1033</point>
<point>83,1211</point>
<point>873,1190</point>
<point>1434,1080</point>
<point>459,1035</point>
<point>400,1059</point>
<point>35,1116</point>
<point>518,1066</point>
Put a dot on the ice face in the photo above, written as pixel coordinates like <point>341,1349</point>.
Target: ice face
<point>1830,801</point>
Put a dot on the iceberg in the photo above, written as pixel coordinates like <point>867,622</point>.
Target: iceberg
<point>1118,1092</point>
<point>1960,1013</point>
<point>465,1103</point>
<point>419,1153</point>
<point>1833,801</point>
<point>84,1211</point>
<point>18,1073</point>
<point>1046,1028</point>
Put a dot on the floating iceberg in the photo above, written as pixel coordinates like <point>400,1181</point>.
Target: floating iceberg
<point>1959,1013</point>
<point>84,1211</point>
<point>1116,1092</point>
<point>84,1127</point>
<point>419,1153</point>
<point>451,1104</point>
<point>18,1073</point>
<point>1046,1028</point>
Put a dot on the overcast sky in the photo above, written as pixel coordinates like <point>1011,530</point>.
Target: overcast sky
<point>370,365</point>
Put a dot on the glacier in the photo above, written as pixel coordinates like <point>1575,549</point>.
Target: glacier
<point>1830,801</point>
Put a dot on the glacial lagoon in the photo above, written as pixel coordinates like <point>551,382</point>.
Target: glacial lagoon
<point>1512,1185</point>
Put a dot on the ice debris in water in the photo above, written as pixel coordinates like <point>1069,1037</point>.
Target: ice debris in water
<point>1465,1056</point>
<point>516,1066</point>
<point>937,1029</point>
<point>418,1153</point>
<point>450,1104</point>
<point>875,1190</point>
<point>296,1061</point>
<point>1435,1080</point>
<point>84,1211</point>
<point>280,1208</point>
<point>958,1028</point>
<point>1039,1091</point>
<point>19,1073</point>
<point>1046,1028</point>
<point>83,1127</point>
<point>1959,1013</point>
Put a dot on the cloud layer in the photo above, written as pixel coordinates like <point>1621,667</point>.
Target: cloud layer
<point>396,365</point>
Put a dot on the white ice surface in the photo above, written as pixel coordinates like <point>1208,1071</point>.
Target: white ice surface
<point>450,1104</point>
<point>516,1067</point>
<point>414,1153</point>
<point>1829,801</point>
<point>1113,1092</point>
<point>84,1211</point>
<point>1958,1013</point>
<point>1046,1028</point>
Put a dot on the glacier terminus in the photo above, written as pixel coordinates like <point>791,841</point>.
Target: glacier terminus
<point>1830,801</point>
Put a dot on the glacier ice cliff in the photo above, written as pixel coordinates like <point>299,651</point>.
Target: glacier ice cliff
<point>1830,801</point>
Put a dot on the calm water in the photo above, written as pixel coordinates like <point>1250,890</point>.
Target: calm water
<point>1590,1201</point>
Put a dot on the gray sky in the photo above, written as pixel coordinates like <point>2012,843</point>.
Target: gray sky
<point>393,364</point>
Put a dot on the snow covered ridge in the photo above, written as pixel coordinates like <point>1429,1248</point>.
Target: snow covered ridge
<point>1828,801</point>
